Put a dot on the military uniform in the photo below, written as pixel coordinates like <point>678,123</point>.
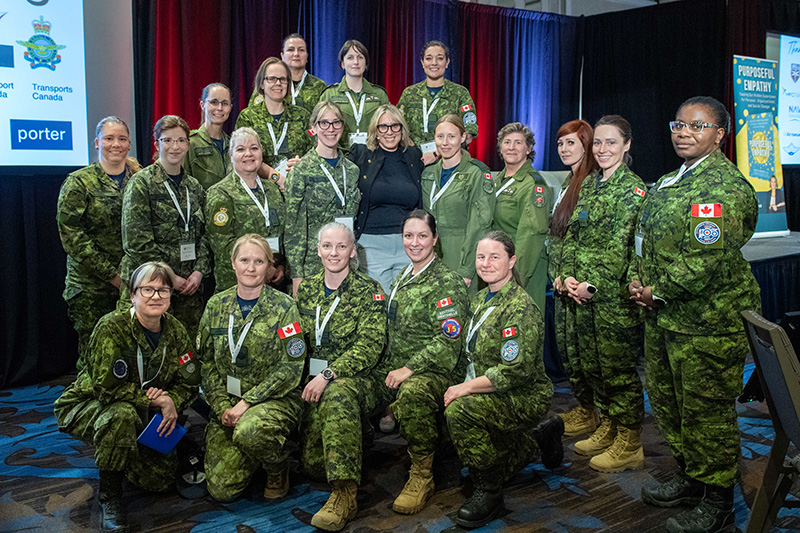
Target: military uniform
<point>491,431</point>
<point>451,99</point>
<point>204,162</point>
<point>463,210</point>
<point>522,210</point>
<point>106,407</point>
<point>88,215</point>
<point>230,213</point>
<point>307,96</point>
<point>312,202</point>
<point>351,345</point>
<point>295,119</point>
<point>268,369</point>
<point>691,233</point>
<point>153,230</point>
<point>374,97</point>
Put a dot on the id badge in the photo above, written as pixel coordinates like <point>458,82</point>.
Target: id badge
<point>470,372</point>
<point>428,147</point>
<point>347,221</point>
<point>393,310</point>
<point>638,239</point>
<point>235,386</point>
<point>187,252</point>
<point>274,244</point>
<point>358,138</point>
<point>316,366</point>
<point>283,167</point>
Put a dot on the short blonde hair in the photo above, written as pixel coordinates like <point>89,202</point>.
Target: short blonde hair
<point>319,110</point>
<point>353,263</point>
<point>253,238</point>
<point>396,116</point>
<point>455,120</point>
<point>241,135</point>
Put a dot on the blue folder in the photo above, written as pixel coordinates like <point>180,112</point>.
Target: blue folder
<point>151,439</point>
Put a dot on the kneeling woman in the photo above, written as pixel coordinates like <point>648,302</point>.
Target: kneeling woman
<point>254,353</point>
<point>138,361</point>
<point>346,311</point>
<point>490,416</point>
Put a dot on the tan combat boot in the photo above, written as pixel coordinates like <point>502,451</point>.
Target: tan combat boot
<point>339,508</point>
<point>419,487</point>
<point>580,420</point>
<point>625,453</point>
<point>600,440</point>
<point>277,484</point>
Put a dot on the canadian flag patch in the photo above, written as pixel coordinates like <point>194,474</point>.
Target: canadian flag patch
<point>487,175</point>
<point>707,210</point>
<point>639,191</point>
<point>185,358</point>
<point>310,133</point>
<point>444,302</point>
<point>539,189</point>
<point>288,331</point>
<point>509,332</point>
<point>378,297</point>
<point>465,108</point>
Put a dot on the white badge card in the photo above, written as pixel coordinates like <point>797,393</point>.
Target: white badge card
<point>283,167</point>
<point>470,372</point>
<point>358,138</point>
<point>347,221</point>
<point>316,366</point>
<point>187,251</point>
<point>637,242</point>
<point>428,147</point>
<point>235,386</point>
<point>274,244</point>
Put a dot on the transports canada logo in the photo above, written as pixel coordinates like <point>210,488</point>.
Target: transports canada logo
<point>42,49</point>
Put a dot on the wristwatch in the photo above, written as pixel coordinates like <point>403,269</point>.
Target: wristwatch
<point>327,374</point>
<point>275,177</point>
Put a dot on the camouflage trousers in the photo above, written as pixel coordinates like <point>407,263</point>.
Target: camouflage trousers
<point>609,355</point>
<point>234,455</point>
<point>112,429</point>
<point>693,382</point>
<point>331,430</point>
<point>188,309</point>
<point>494,430</point>
<point>85,309</point>
<point>567,344</point>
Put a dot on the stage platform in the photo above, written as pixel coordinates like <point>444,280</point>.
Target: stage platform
<point>776,265</point>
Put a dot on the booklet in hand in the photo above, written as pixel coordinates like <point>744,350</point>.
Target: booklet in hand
<point>151,439</point>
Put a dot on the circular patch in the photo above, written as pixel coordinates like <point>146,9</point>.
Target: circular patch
<point>470,118</point>
<point>488,185</point>
<point>190,368</point>
<point>120,369</point>
<point>707,233</point>
<point>221,217</point>
<point>451,328</point>
<point>296,347</point>
<point>510,350</point>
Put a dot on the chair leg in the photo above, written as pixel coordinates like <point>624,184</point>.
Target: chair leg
<point>784,485</point>
<point>763,504</point>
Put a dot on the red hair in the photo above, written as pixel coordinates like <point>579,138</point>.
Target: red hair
<point>563,211</point>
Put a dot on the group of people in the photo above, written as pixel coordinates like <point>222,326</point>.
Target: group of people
<point>338,259</point>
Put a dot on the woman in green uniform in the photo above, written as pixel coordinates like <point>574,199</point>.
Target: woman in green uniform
<point>343,313</point>
<point>208,160</point>
<point>522,208</point>
<point>597,249</point>
<point>459,192</point>
<point>253,350</point>
<point>242,203</point>
<point>88,214</point>
<point>138,362</point>
<point>424,102</point>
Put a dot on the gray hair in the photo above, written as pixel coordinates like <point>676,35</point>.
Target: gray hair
<point>152,270</point>
<point>242,134</point>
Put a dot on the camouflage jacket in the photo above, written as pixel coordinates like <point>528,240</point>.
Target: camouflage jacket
<point>312,202</point>
<point>203,161</point>
<point>152,229</point>
<point>231,213</point>
<point>426,319</point>
<point>555,244</point>
<point>354,337</point>
<point>88,215</point>
<point>272,356</point>
<point>693,232</point>
<point>463,212</point>
<point>451,99</point>
<point>375,96</point>
<point>297,142</point>
<point>307,97</point>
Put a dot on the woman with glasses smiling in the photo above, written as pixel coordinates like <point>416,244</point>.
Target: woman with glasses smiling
<point>280,125</point>
<point>207,160</point>
<point>389,180</point>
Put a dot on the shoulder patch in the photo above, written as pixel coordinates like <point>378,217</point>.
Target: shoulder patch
<point>639,192</point>
<point>466,107</point>
<point>707,232</point>
<point>185,358</point>
<point>120,369</point>
<point>451,328</point>
<point>707,210</point>
<point>444,302</point>
<point>510,332</point>
<point>221,217</point>
<point>378,297</point>
<point>296,347</point>
<point>289,330</point>
<point>470,118</point>
<point>510,350</point>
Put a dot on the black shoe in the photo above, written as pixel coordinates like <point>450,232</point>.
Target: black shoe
<point>680,490</point>
<point>714,514</point>
<point>548,435</point>
<point>484,504</point>
<point>112,514</point>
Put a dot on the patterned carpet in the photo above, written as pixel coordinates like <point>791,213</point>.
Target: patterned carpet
<point>48,482</point>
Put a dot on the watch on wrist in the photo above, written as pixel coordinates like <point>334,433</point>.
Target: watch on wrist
<point>275,177</point>
<point>327,374</point>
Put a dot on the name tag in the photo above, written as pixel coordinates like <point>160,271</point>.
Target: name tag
<point>187,252</point>
<point>638,239</point>
<point>235,386</point>
<point>470,372</point>
<point>283,167</point>
<point>358,138</point>
<point>347,221</point>
<point>316,366</point>
<point>274,244</point>
<point>428,147</point>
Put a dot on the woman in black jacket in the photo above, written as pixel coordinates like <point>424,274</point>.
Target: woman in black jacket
<point>389,180</point>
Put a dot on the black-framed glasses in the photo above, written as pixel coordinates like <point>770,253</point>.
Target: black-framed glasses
<point>272,80</point>
<point>327,124</point>
<point>676,126</point>
<point>149,292</point>
<point>395,127</point>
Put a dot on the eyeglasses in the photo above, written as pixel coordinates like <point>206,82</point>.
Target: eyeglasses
<point>181,141</point>
<point>395,127</point>
<point>272,80</point>
<point>149,292</point>
<point>676,126</point>
<point>218,103</point>
<point>326,124</point>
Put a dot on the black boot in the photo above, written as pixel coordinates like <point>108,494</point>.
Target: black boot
<point>548,435</point>
<point>714,514</point>
<point>679,490</point>
<point>112,514</point>
<point>486,501</point>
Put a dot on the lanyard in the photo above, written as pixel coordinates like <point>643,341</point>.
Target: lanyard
<point>405,273</point>
<point>433,198</point>
<point>504,187</point>
<point>683,170</point>
<point>276,144</point>
<point>235,349</point>
<point>427,112</point>
<point>472,329</point>
<point>296,89</point>
<point>357,113</point>
<point>319,330</point>
<point>333,182</point>
<point>140,364</point>
<point>178,207</point>
<point>265,208</point>
<point>560,197</point>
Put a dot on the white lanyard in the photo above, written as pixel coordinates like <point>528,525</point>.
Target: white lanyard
<point>140,364</point>
<point>427,112</point>
<point>178,207</point>
<point>560,197</point>
<point>276,144</point>
<point>472,329</point>
<point>433,198</point>
<point>319,330</point>
<point>296,88</point>
<point>405,273</point>
<point>357,113</point>
<point>265,208</point>
<point>504,187</point>
<point>683,170</point>
<point>235,349</point>
<point>333,182</point>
